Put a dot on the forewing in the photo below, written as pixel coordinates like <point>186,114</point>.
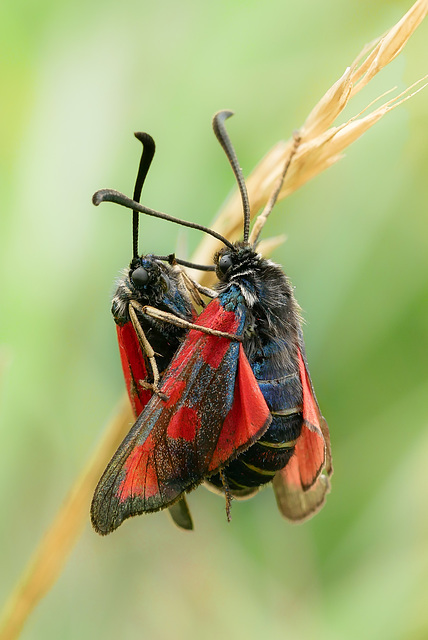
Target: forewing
<point>206,421</point>
<point>247,420</point>
<point>301,487</point>
<point>134,367</point>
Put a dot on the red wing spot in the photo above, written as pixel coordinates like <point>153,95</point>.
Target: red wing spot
<point>208,315</point>
<point>151,487</point>
<point>140,476</point>
<point>215,348</point>
<point>214,351</point>
<point>174,390</point>
<point>184,424</point>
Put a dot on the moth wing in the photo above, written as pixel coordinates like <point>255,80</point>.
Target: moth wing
<point>134,366</point>
<point>311,407</point>
<point>293,501</point>
<point>215,410</point>
<point>301,487</point>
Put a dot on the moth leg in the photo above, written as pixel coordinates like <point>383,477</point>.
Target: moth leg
<point>227,494</point>
<point>191,288</point>
<point>148,350</point>
<point>152,312</point>
<point>195,288</point>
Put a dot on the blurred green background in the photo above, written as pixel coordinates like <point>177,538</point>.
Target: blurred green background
<point>78,78</point>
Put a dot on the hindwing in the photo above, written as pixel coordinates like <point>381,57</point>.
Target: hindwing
<point>301,487</point>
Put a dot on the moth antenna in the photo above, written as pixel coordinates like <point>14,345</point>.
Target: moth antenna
<point>149,148</point>
<point>110,195</point>
<point>184,263</point>
<point>261,219</point>
<point>223,137</point>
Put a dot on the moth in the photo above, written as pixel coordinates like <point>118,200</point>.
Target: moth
<point>147,345</point>
<point>237,411</point>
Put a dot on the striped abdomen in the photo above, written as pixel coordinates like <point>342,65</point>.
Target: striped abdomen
<point>260,462</point>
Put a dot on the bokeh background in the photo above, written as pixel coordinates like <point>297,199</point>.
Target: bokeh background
<point>77,79</point>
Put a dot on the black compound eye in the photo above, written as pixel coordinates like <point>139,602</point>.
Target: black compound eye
<point>140,277</point>
<point>225,263</point>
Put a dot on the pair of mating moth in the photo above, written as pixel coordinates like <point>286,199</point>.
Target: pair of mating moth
<point>223,398</point>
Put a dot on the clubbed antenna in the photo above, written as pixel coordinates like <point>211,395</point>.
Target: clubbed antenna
<point>185,263</point>
<point>110,195</point>
<point>149,148</point>
<point>223,138</point>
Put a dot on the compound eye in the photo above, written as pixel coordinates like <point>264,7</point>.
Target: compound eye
<point>225,263</point>
<point>140,277</point>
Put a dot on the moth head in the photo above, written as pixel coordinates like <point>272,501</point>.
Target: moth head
<point>224,261</point>
<point>147,274</point>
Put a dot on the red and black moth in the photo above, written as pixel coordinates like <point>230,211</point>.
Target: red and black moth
<point>237,411</point>
<point>147,345</point>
